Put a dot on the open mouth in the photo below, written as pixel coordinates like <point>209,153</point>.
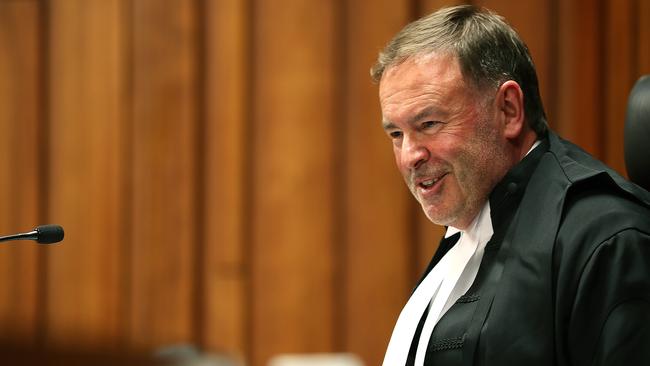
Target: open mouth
<point>430,183</point>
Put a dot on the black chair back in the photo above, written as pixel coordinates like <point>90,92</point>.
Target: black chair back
<point>637,133</point>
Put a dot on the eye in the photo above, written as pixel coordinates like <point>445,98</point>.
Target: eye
<point>395,134</point>
<point>428,124</point>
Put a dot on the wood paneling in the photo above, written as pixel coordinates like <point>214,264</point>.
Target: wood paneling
<point>86,136</point>
<point>618,77</point>
<point>642,21</point>
<point>426,7</point>
<point>378,241</point>
<point>579,97</point>
<point>165,146</point>
<point>227,155</point>
<point>293,177</point>
<point>428,237</point>
<point>220,168</point>
<point>20,110</point>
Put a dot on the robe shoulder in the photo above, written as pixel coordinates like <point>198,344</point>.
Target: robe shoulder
<point>602,272</point>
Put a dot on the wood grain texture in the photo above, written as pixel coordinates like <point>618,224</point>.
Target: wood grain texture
<point>580,99</point>
<point>642,47</point>
<point>429,6</point>
<point>221,171</point>
<point>86,172</point>
<point>379,237</point>
<point>293,178</point>
<point>579,70</point>
<point>618,77</point>
<point>227,175</point>
<point>165,129</point>
<point>20,113</point>
<point>428,238</point>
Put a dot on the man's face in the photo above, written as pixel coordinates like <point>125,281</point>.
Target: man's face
<point>447,137</point>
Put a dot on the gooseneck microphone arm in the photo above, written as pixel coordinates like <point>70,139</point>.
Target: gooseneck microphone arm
<point>44,234</point>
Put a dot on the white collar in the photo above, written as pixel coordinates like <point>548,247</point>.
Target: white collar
<point>480,227</point>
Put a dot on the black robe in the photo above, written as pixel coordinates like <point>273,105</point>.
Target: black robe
<point>565,279</point>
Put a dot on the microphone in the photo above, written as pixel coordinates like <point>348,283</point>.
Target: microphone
<point>44,234</point>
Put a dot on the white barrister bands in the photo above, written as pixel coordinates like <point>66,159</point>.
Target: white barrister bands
<point>446,282</point>
<point>441,288</point>
<point>459,277</point>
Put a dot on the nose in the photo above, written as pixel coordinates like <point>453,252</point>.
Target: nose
<point>414,152</point>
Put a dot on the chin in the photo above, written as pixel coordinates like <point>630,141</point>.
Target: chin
<point>447,218</point>
<point>439,220</point>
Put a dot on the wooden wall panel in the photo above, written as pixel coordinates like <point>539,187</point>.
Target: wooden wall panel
<point>86,172</point>
<point>292,182</point>
<point>579,99</point>
<point>642,37</point>
<point>378,207</point>
<point>227,153</point>
<point>221,171</point>
<point>165,148</point>
<point>426,7</point>
<point>20,111</point>
<point>618,77</point>
<point>428,238</point>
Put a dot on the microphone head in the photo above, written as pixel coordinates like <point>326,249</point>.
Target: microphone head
<point>48,234</point>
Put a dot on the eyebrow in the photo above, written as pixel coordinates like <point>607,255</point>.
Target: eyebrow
<point>419,116</point>
<point>388,125</point>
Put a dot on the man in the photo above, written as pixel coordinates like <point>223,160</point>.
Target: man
<point>546,260</point>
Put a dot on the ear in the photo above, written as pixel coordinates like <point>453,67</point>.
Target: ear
<point>510,104</point>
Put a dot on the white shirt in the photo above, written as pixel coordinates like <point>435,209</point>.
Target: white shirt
<point>451,277</point>
<point>442,286</point>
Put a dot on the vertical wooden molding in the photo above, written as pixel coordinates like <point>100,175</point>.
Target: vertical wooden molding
<point>200,246</point>
<point>579,70</point>
<point>20,203</point>
<point>251,152</point>
<point>551,98</point>
<point>165,119</point>
<point>127,183</point>
<point>292,182</point>
<point>85,172</point>
<point>227,176</point>
<point>643,15</point>
<point>339,157</point>
<point>618,78</point>
<point>379,237</point>
<point>44,191</point>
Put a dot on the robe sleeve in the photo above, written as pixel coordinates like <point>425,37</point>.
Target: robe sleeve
<point>610,319</point>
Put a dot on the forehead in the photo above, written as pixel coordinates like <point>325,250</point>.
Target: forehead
<point>436,64</point>
<point>429,78</point>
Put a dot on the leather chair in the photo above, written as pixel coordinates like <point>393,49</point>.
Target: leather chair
<point>637,133</point>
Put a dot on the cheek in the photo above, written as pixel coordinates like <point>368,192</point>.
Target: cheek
<point>446,151</point>
<point>397,152</point>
